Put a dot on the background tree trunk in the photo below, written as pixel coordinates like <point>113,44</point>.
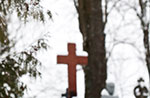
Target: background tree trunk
<point>147,52</point>
<point>145,23</point>
<point>92,27</point>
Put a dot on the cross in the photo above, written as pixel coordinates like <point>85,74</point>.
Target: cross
<point>72,60</point>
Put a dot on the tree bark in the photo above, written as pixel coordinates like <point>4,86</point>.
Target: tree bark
<point>91,26</point>
<point>145,28</point>
<point>147,48</point>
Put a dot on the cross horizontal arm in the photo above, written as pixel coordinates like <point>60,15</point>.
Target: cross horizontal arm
<point>82,60</point>
<point>62,59</point>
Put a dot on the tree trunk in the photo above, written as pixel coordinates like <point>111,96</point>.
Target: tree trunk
<point>91,26</point>
<point>147,48</point>
<point>145,24</point>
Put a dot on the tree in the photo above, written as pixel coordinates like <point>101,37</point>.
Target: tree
<point>145,23</point>
<point>14,65</point>
<point>92,26</point>
<point>136,13</point>
<point>142,12</point>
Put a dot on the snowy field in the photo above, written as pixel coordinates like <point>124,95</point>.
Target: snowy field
<point>126,64</point>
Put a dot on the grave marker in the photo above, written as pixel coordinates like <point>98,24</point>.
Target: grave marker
<point>72,60</point>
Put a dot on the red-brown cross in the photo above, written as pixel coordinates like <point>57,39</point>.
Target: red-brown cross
<point>72,60</point>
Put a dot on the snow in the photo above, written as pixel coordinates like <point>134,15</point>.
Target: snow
<point>125,65</point>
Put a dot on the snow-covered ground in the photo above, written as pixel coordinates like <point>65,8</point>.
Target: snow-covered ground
<point>125,65</point>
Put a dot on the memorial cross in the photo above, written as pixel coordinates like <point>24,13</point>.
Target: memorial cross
<point>72,60</point>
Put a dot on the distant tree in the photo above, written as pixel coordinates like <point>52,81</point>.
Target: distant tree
<point>144,18</point>
<point>142,11</point>
<point>14,65</point>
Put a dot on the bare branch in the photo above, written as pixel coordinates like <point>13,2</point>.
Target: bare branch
<point>140,15</point>
<point>117,42</point>
<point>106,12</point>
<point>76,5</point>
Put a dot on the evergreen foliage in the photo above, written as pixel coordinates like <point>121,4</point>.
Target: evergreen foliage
<point>14,65</point>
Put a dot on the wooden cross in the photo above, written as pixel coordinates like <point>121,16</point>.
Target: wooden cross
<point>72,60</point>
